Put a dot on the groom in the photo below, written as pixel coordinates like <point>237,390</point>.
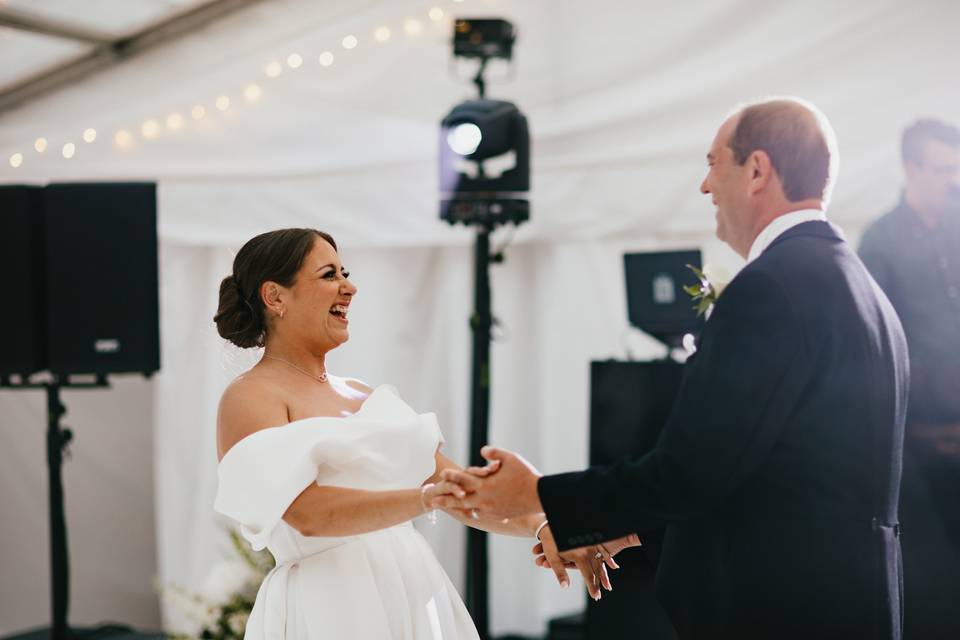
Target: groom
<point>777,473</point>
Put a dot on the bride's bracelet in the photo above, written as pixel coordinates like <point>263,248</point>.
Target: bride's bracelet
<point>540,528</point>
<point>431,513</point>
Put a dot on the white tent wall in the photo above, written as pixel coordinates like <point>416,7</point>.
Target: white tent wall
<point>109,503</point>
<point>623,100</point>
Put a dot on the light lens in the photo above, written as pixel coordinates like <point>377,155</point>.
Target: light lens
<point>464,138</point>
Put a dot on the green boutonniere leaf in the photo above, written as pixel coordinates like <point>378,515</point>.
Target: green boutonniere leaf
<point>704,294</point>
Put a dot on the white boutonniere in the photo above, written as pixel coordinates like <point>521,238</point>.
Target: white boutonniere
<point>707,291</point>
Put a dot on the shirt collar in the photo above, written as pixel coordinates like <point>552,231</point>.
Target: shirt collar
<point>778,226</point>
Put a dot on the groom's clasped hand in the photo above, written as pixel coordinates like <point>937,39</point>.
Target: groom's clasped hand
<point>507,488</point>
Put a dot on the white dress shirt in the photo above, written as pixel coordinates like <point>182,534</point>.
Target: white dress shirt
<point>778,226</point>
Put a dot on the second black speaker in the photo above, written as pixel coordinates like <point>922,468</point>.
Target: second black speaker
<point>102,299</point>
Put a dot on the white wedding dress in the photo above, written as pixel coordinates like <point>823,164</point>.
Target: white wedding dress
<point>384,585</point>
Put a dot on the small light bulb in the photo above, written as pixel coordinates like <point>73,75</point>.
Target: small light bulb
<point>436,14</point>
<point>326,58</point>
<point>223,103</point>
<point>150,129</point>
<point>412,26</point>
<point>382,34</point>
<point>349,42</point>
<point>198,111</point>
<point>123,138</point>
<point>252,93</point>
<point>40,144</point>
<point>68,150</point>
<point>273,69</point>
<point>174,121</point>
<point>16,160</point>
<point>89,135</point>
<point>464,138</point>
<point>294,60</point>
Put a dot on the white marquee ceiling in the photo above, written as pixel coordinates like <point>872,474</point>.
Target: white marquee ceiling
<point>623,99</point>
<point>26,54</point>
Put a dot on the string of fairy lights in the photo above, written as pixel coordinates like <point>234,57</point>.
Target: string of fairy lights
<point>155,127</point>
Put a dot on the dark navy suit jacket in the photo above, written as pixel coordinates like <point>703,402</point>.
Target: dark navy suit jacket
<point>777,474</point>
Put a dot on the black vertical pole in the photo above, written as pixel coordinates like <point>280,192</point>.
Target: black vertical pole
<point>59,563</point>
<point>477,576</point>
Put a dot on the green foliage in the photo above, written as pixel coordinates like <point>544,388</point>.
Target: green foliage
<point>703,294</point>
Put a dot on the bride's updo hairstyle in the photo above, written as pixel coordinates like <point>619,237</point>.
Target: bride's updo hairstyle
<point>276,256</point>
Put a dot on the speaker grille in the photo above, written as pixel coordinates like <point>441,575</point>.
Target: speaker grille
<point>102,309</point>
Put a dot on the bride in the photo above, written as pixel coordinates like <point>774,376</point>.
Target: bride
<point>325,471</point>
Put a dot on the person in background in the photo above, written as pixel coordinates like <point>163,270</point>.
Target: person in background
<point>913,252</point>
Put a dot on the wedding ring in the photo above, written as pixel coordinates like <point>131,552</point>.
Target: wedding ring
<point>598,556</point>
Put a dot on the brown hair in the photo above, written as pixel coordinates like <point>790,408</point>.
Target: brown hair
<point>797,138</point>
<point>276,256</point>
<point>917,135</point>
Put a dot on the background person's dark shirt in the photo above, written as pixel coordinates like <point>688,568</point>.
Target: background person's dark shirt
<point>919,270</point>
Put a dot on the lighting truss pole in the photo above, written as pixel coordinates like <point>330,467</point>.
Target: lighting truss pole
<point>481,323</point>
<point>484,203</point>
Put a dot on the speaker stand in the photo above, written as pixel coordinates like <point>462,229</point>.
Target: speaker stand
<point>58,439</point>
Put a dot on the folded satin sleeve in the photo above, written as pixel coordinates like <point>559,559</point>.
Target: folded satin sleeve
<point>373,449</point>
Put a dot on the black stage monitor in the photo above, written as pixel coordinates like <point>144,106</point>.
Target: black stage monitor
<point>656,301</point>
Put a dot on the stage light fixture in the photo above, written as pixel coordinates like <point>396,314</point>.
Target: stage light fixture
<point>484,159</point>
<point>483,38</point>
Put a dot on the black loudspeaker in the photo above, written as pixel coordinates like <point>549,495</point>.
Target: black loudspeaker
<point>629,404</point>
<point>22,275</point>
<point>100,243</point>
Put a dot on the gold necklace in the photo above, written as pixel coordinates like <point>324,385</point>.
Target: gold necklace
<point>321,378</point>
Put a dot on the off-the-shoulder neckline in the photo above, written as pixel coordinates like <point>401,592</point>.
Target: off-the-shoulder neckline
<point>293,422</point>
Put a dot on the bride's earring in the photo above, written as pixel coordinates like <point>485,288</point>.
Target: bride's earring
<point>281,314</point>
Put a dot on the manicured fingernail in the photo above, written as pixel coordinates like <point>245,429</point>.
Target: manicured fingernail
<point>564,584</point>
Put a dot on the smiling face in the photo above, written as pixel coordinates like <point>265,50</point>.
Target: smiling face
<point>728,185</point>
<point>316,305</point>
